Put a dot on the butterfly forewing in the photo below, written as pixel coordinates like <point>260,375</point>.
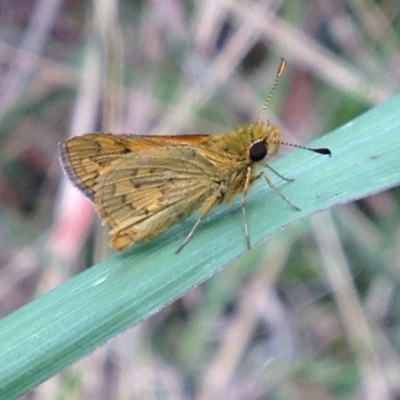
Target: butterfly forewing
<point>85,158</point>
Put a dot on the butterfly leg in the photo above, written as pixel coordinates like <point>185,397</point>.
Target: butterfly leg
<point>243,205</point>
<point>278,174</point>
<point>273,187</point>
<point>210,203</point>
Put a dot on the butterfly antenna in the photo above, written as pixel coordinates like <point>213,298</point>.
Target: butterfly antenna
<point>279,72</point>
<point>322,150</point>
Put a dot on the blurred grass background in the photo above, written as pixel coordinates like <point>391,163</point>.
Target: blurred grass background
<point>284,322</point>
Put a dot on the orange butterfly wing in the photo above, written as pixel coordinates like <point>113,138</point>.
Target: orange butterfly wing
<point>84,158</point>
<point>146,192</point>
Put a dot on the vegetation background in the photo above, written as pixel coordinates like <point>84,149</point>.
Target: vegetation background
<point>285,321</point>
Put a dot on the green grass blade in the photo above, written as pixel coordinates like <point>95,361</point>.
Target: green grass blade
<point>60,327</point>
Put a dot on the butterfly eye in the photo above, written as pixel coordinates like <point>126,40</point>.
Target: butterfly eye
<point>258,151</point>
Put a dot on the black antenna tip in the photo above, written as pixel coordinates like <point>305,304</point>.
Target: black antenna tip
<point>324,151</point>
